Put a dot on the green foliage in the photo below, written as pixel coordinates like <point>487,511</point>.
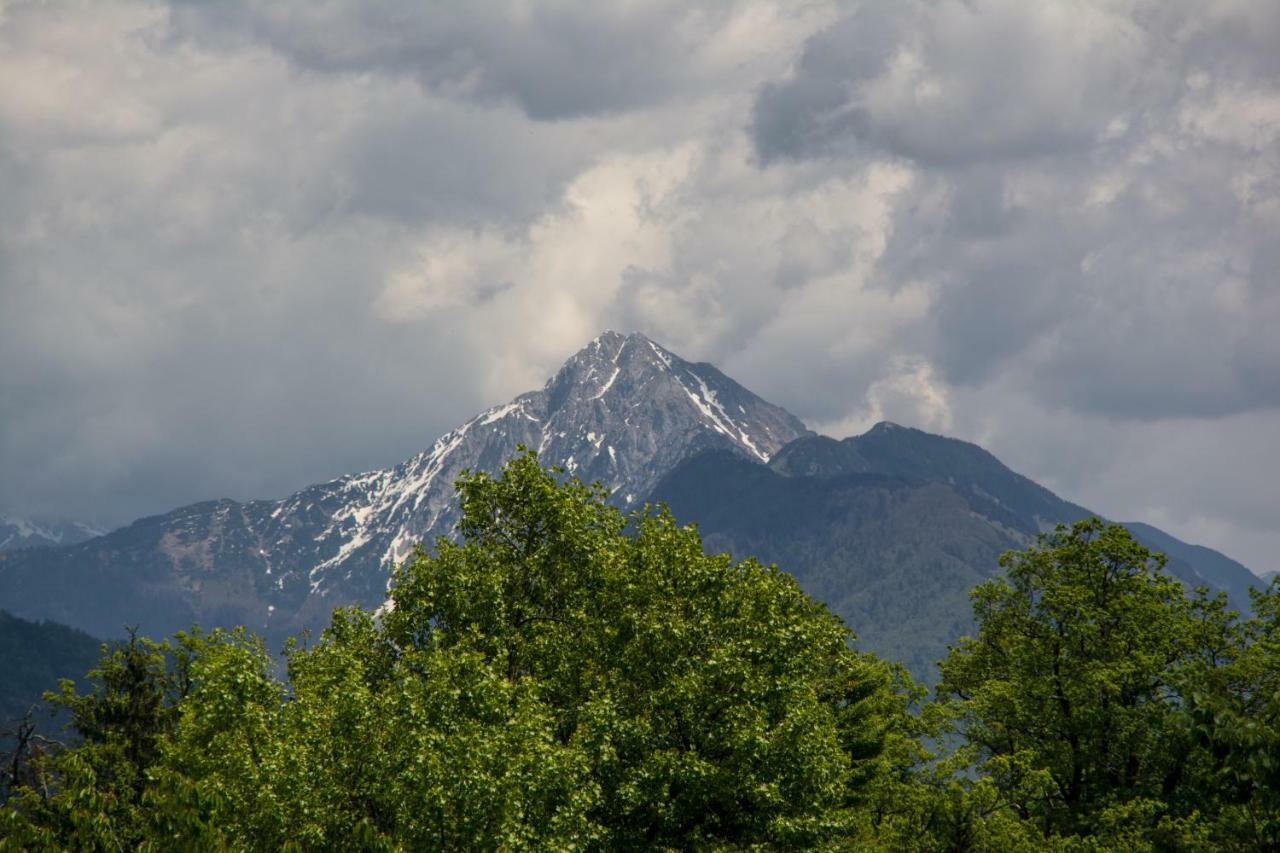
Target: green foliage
<point>713,700</point>
<point>92,796</point>
<point>1233,716</point>
<point>1108,709</point>
<point>565,678</point>
<point>571,678</point>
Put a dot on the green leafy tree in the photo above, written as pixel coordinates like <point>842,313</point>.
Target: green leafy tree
<point>1233,718</point>
<point>1098,698</point>
<point>710,699</point>
<point>564,677</point>
<point>92,796</point>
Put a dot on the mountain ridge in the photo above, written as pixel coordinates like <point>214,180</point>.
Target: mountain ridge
<point>18,533</point>
<point>622,410</point>
<point>906,451</point>
<point>891,528</point>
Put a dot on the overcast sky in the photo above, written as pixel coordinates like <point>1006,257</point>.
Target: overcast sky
<point>249,246</point>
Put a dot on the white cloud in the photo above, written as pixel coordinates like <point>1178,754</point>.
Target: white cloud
<point>245,246</point>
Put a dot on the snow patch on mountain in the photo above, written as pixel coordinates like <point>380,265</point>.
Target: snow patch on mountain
<point>621,411</point>
<point>17,532</point>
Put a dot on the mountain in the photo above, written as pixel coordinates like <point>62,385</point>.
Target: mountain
<point>892,528</point>
<point>18,533</point>
<point>1023,504</point>
<point>1212,568</point>
<point>623,410</point>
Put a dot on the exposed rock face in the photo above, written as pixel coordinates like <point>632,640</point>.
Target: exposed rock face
<point>623,411</point>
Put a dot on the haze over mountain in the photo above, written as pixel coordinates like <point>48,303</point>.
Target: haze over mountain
<point>622,410</point>
<point>29,533</point>
<point>891,528</point>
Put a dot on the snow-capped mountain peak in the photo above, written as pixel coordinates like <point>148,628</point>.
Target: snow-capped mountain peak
<point>622,410</point>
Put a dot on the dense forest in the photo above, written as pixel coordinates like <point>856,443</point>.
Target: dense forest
<point>567,676</point>
<point>36,655</point>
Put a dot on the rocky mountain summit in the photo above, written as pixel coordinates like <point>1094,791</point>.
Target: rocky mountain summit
<point>623,410</point>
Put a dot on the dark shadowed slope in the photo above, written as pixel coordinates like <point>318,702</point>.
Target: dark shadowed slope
<point>894,557</point>
<point>33,657</point>
<point>893,528</point>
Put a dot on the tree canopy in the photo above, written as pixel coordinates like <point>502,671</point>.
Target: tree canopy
<point>566,676</point>
<point>1102,702</point>
<point>570,677</point>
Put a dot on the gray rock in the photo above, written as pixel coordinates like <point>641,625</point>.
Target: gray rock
<point>622,411</point>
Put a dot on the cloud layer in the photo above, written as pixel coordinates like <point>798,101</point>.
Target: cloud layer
<point>246,246</point>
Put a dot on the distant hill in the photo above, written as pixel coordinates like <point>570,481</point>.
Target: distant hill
<point>18,533</point>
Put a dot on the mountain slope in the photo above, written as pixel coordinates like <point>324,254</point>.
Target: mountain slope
<point>622,410</point>
<point>1028,507</point>
<point>1214,569</point>
<point>892,528</point>
<point>33,657</point>
<point>888,448</point>
<point>895,557</point>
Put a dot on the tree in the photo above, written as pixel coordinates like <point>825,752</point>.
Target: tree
<point>1095,696</point>
<point>92,796</point>
<point>645,693</point>
<point>564,677</point>
<point>1233,716</point>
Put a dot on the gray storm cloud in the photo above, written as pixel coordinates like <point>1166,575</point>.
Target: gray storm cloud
<point>248,246</point>
<point>1107,180</point>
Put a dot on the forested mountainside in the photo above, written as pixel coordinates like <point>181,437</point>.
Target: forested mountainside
<point>33,657</point>
<point>893,528</point>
